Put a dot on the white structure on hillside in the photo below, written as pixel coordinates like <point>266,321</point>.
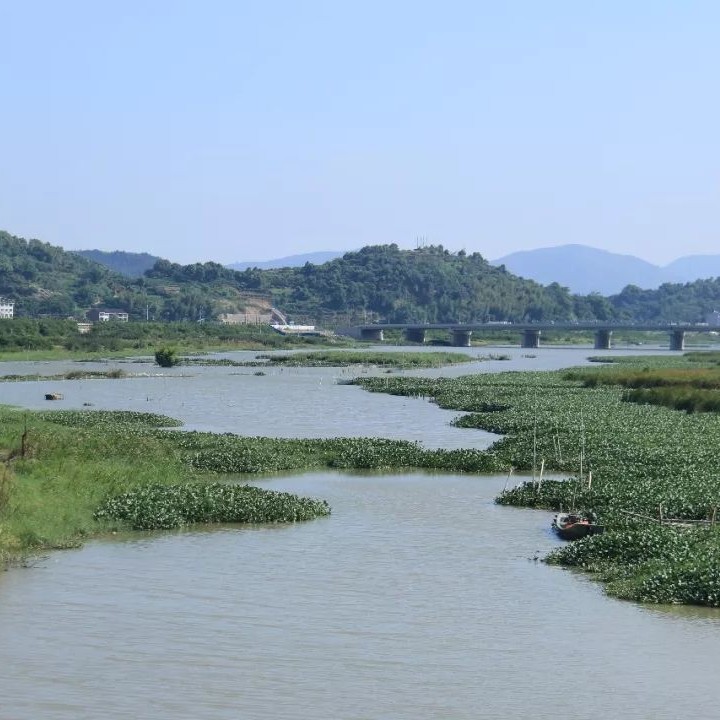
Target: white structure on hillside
<point>106,314</point>
<point>7,308</point>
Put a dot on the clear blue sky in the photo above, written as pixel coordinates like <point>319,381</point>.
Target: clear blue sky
<point>230,130</point>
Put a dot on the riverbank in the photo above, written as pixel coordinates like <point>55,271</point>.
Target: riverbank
<point>60,467</point>
<point>33,339</point>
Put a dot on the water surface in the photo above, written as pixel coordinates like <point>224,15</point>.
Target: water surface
<point>417,598</point>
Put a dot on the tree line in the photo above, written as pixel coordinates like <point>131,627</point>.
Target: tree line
<point>377,283</point>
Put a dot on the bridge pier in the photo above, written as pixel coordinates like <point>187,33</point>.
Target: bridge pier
<point>677,340</point>
<point>375,334</point>
<point>416,335</point>
<point>603,339</point>
<point>531,339</point>
<point>461,338</point>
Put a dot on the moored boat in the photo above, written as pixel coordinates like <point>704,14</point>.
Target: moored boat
<point>572,526</point>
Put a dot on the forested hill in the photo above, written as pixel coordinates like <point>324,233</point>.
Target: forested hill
<point>384,283</point>
<point>44,279</point>
<point>377,283</point>
<point>671,302</point>
<point>429,284</point>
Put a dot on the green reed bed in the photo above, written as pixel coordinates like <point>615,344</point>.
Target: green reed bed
<point>70,375</point>
<point>675,384</point>
<point>641,459</point>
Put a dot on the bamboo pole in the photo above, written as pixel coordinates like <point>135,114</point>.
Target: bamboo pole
<point>507,479</point>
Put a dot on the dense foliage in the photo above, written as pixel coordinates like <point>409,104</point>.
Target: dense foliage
<point>44,280</point>
<point>29,334</point>
<point>166,357</point>
<point>383,283</point>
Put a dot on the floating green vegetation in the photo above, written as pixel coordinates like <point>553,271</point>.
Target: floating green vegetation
<point>112,419</point>
<point>70,375</point>
<point>155,507</point>
<point>211,362</point>
<point>236,454</point>
<point>342,358</point>
<point>635,458</point>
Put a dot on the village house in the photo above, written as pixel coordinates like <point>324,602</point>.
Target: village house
<point>7,308</point>
<point>106,314</point>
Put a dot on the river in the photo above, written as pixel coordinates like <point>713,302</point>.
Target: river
<point>417,598</point>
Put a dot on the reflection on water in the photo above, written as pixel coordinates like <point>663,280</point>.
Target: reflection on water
<point>417,598</point>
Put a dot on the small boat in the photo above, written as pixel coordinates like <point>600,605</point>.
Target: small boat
<point>571,526</point>
<point>53,396</point>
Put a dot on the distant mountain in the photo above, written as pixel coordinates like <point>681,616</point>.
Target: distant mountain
<point>585,269</point>
<point>129,264</point>
<point>316,258</point>
<point>692,267</point>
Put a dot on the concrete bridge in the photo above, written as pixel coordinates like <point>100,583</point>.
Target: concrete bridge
<point>530,333</point>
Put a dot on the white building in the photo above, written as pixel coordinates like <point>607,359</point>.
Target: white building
<point>106,314</point>
<point>7,308</point>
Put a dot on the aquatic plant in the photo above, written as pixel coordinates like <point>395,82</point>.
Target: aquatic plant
<point>345,358</point>
<point>167,357</point>
<point>622,457</point>
<point>154,507</point>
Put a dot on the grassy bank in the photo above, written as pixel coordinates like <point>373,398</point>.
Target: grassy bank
<point>30,339</point>
<point>644,459</point>
<point>66,475</point>
<point>60,468</point>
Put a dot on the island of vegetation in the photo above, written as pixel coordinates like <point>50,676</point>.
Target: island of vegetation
<point>342,358</point>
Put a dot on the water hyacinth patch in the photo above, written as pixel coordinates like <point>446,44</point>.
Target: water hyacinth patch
<point>155,507</point>
<point>643,459</point>
<point>108,418</point>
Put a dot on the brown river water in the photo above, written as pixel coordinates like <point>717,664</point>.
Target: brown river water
<point>417,598</point>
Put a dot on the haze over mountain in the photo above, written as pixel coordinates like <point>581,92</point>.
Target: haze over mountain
<point>580,268</point>
<point>586,269</point>
<point>314,258</point>
<point>126,263</point>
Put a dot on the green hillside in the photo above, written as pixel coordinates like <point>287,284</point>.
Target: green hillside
<point>387,284</point>
<point>377,283</point>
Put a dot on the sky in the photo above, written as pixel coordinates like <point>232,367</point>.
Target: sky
<point>232,130</point>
